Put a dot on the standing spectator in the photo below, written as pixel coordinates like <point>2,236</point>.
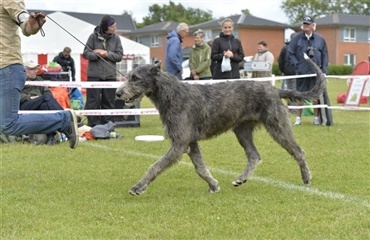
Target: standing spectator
<point>67,63</point>
<point>285,67</point>
<point>263,55</point>
<point>38,97</point>
<point>103,50</point>
<point>200,58</point>
<point>13,14</point>
<point>230,47</point>
<point>174,55</point>
<point>314,45</point>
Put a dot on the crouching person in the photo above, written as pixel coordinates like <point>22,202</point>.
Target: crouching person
<point>14,15</point>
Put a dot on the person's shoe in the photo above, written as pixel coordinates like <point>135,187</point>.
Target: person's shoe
<point>72,131</point>
<point>298,121</point>
<point>316,121</point>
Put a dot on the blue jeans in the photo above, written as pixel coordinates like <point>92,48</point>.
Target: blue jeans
<point>12,81</point>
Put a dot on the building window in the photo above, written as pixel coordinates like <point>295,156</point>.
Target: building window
<point>350,59</point>
<point>349,35</point>
<point>207,35</point>
<point>137,39</point>
<point>154,42</point>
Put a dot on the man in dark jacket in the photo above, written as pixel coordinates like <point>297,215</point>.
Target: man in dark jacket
<point>103,50</point>
<point>173,53</point>
<point>67,63</point>
<point>314,45</point>
<point>230,47</point>
<point>285,67</point>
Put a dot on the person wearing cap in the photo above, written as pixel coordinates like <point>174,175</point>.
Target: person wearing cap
<point>14,15</point>
<point>314,45</point>
<point>38,97</point>
<point>103,50</point>
<point>200,58</point>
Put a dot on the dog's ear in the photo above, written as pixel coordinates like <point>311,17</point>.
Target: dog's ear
<point>156,67</point>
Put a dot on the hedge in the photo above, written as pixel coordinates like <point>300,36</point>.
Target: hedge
<point>332,70</point>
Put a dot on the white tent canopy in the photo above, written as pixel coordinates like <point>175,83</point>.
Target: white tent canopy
<point>56,39</point>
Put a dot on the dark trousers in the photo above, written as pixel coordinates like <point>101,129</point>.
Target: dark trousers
<point>100,98</point>
<point>44,102</point>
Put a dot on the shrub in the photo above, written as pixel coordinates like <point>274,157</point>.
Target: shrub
<point>276,70</point>
<point>340,70</point>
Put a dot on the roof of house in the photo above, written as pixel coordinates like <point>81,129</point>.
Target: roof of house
<point>241,20</point>
<point>162,27</point>
<point>124,21</point>
<point>341,20</point>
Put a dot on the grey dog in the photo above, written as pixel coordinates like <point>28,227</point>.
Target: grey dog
<point>193,112</point>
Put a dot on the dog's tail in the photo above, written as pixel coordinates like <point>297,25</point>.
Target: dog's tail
<point>314,93</point>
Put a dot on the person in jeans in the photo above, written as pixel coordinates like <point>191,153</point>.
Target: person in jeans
<point>14,15</point>
<point>103,50</point>
<point>200,58</point>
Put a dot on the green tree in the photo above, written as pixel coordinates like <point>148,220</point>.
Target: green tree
<point>175,12</point>
<point>246,12</point>
<point>296,10</point>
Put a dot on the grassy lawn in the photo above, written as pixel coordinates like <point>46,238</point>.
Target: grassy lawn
<point>58,193</point>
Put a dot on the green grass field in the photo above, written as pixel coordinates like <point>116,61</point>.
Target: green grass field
<point>58,193</point>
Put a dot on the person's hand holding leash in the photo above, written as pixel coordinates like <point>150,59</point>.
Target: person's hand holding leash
<point>35,22</point>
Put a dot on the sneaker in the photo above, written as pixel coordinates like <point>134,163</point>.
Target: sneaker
<point>316,121</point>
<point>298,121</point>
<point>72,131</point>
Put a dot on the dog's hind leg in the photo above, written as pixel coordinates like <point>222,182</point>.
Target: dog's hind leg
<point>201,168</point>
<point>281,130</point>
<point>244,133</point>
<point>170,158</point>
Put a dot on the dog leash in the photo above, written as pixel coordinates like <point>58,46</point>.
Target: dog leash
<point>43,34</point>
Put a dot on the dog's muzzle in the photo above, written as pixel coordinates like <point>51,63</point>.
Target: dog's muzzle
<point>134,98</point>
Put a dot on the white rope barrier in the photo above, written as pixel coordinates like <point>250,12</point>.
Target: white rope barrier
<point>118,84</point>
<point>154,111</point>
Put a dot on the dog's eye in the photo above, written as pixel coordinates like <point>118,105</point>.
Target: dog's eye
<point>134,78</point>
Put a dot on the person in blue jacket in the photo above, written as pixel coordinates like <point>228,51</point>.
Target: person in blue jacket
<point>173,53</point>
<point>314,45</point>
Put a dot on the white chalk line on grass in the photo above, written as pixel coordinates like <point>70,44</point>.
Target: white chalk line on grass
<point>278,183</point>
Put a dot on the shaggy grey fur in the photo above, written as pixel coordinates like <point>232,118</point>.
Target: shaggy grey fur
<point>193,112</point>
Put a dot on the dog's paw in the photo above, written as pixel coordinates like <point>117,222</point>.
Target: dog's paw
<point>307,180</point>
<point>137,190</point>
<point>214,189</point>
<point>238,182</point>
<point>306,176</point>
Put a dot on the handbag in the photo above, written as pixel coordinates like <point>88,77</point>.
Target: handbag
<point>225,65</point>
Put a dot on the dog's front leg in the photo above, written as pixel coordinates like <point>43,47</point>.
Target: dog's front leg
<point>170,158</point>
